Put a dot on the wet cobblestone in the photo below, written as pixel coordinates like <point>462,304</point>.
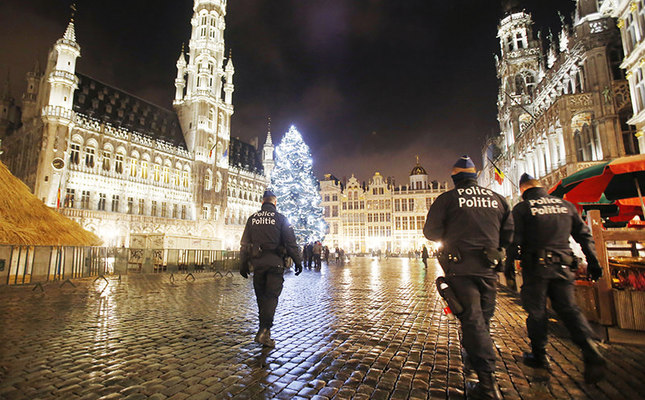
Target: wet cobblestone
<point>369,330</point>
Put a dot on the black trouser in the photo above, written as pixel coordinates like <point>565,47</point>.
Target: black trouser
<point>267,282</point>
<point>477,296</point>
<point>317,260</point>
<point>559,288</point>
<point>425,261</point>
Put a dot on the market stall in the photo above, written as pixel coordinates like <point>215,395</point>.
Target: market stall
<point>611,194</point>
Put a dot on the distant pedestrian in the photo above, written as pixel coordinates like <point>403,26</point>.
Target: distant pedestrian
<point>317,252</point>
<point>341,255</point>
<point>266,239</point>
<point>326,254</point>
<point>425,255</point>
<point>307,254</point>
<point>473,223</point>
<point>310,255</point>
<point>543,225</point>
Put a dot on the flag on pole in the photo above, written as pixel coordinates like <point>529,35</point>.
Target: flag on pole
<point>210,153</point>
<point>58,197</point>
<point>499,175</point>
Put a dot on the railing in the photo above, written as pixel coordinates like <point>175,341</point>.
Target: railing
<point>125,176</point>
<point>133,136</point>
<point>22,265</point>
<point>58,111</point>
<point>182,260</point>
<point>68,76</point>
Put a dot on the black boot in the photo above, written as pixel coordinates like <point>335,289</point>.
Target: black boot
<point>468,365</point>
<point>594,362</point>
<point>264,338</point>
<point>485,389</point>
<point>536,360</point>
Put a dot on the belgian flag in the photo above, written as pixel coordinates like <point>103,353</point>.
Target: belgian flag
<point>499,175</point>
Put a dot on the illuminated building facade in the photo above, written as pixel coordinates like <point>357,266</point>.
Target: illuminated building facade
<point>631,22</point>
<point>378,215</point>
<point>562,108</point>
<point>119,164</point>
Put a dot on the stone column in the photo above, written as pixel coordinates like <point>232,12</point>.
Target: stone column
<point>548,165</point>
<point>539,161</point>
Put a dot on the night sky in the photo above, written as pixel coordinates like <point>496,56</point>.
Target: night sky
<point>369,83</point>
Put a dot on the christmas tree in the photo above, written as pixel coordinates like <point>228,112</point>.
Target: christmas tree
<point>296,187</point>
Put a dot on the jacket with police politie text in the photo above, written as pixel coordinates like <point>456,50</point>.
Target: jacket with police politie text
<point>544,222</point>
<point>470,218</point>
<point>268,230</point>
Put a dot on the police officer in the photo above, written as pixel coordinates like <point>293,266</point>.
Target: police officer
<point>267,238</point>
<point>473,224</point>
<point>543,225</point>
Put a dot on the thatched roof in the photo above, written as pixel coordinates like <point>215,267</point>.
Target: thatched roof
<point>25,220</point>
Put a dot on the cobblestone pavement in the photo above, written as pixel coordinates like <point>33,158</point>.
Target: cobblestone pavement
<point>369,330</point>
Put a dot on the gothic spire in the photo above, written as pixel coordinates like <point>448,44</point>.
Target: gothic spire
<point>70,33</point>
<point>269,142</point>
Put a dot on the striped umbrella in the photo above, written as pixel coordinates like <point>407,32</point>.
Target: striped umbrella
<point>621,178</point>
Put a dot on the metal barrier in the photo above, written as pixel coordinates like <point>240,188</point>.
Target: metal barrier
<point>21,265</point>
<point>185,261</point>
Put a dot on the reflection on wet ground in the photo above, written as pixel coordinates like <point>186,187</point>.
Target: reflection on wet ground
<point>372,329</point>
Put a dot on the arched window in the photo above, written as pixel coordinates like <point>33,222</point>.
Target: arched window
<point>107,157</point>
<point>519,43</point>
<point>211,119</point>
<point>213,31</point>
<point>74,153</point>
<point>529,81</point>
<point>519,84</point>
<point>166,174</point>
<point>90,154</point>
<point>585,146</point>
<point>118,161</point>
<point>208,180</point>
<point>203,22</point>
<point>144,169</point>
<point>218,182</point>
<point>177,177</point>
<point>211,74</point>
<point>185,179</point>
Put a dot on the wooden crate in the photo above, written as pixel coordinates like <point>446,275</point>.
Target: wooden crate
<point>624,309</point>
<point>587,300</point>
<point>638,304</point>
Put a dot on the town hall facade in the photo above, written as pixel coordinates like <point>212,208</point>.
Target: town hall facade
<point>120,165</point>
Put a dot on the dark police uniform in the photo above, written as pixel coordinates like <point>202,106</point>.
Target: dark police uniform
<point>543,224</point>
<point>467,220</point>
<point>267,237</point>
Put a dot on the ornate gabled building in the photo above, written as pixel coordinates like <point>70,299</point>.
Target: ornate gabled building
<point>379,215</point>
<point>562,106</point>
<point>120,165</point>
<point>631,22</point>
